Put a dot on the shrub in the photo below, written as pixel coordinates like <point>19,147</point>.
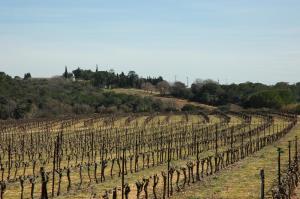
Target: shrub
<point>189,107</point>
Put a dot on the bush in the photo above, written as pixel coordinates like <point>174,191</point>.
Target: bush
<point>270,99</point>
<point>111,109</point>
<point>179,90</point>
<point>296,109</point>
<point>82,109</point>
<point>189,107</point>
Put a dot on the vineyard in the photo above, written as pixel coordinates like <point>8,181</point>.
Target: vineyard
<point>157,155</point>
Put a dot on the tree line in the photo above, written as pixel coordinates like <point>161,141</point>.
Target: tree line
<point>86,91</point>
<point>110,79</point>
<point>33,98</point>
<point>248,94</point>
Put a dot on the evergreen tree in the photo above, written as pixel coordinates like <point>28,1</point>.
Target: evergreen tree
<point>27,76</point>
<point>65,73</point>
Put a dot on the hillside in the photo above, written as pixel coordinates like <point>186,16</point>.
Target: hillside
<point>35,98</point>
<point>178,103</point>
<point>86,92</point>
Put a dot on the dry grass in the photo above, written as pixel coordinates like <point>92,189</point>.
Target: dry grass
<point>179,103</point>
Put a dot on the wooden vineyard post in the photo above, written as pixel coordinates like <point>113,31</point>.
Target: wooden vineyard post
<point>243,151</point>
<point>123,169</point>
<point>54,164</point>
<point>161,146</point>
<point>251,145</point>
<point>44,176</point>
<point>262,185</point>
<point>9,158</point>
<point>296,149</point>
<point>289,154</point>
<point>168,151</point>
<point>231,145</point>
<point>198,162</point>
<point>279,173</point>
<point>102,159</point>
<point>216,139</point>
<point>264,139</point>
<point>92,143</point>
<point>257,143</point>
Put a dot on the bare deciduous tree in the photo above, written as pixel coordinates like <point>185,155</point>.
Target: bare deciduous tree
<point>163,87</point>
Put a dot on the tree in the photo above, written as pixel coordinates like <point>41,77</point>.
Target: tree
<point>297,91</point>
<point>270,99</point>
<point>132,79</point>
<point>22,109</point>
<point>297,109</point>
<point>100,79</point>
<point>27,76</point>
<point>65,73</point>
<point>147,86</point>
<point>282,85</point>
<point>197,85</point>
<point>179,90</point>
<point>4,113</point>
<point>77,73</point>
<point>207,91</point>
<point>163,87</point>
<point>189,107</point>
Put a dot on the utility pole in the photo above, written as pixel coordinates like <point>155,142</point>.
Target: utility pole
<point>187,82</point>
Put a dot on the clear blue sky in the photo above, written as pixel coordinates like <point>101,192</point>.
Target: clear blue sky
<point>229,40</point>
